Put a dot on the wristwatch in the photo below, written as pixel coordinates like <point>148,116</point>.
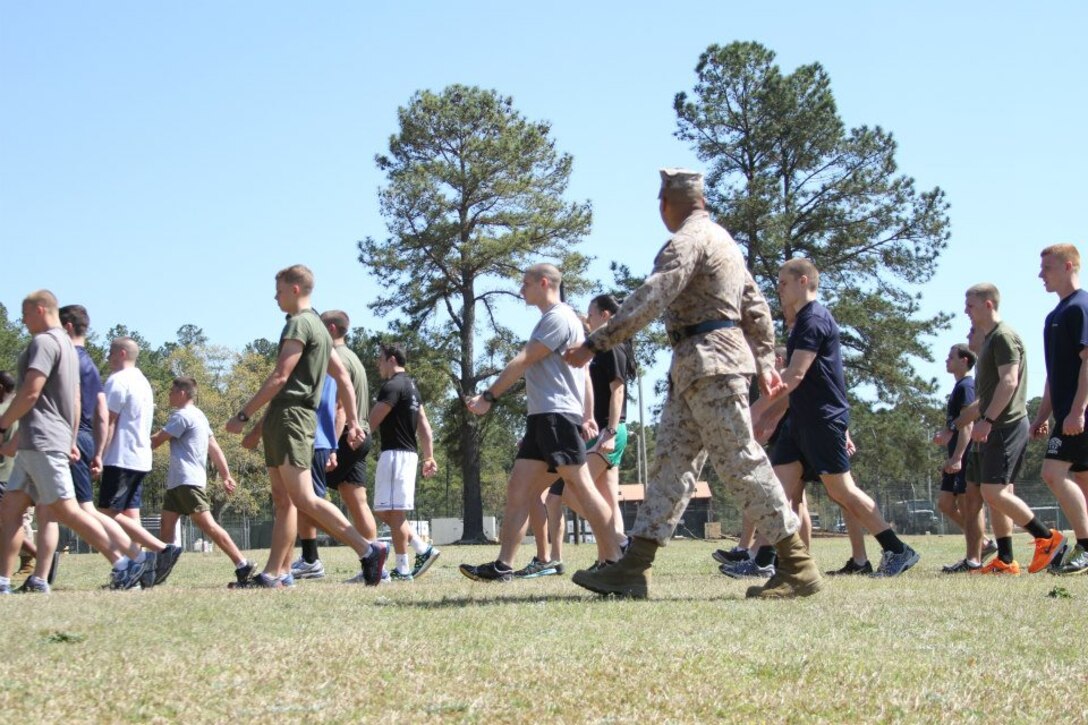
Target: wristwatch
<point>610,430</point>
<point>488,396</point>
<point>988,419</point>
<point>242,416</point>
<point>952,427</point>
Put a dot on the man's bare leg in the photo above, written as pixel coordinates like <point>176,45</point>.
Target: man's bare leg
<point>354,498</point>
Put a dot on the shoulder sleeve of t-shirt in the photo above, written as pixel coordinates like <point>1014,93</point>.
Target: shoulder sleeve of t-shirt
<point>389,393</point>
<point>1005,350</point>
<point>968,391</point>
<point>553,331</point>
<point>42,354</point>
<point>809,333</point>
<point>177,424</point>
<point>956,402</point>
<point>296,329</point>
<point>91,380</point>
<point>116,394</point>
<point>1077,324</point>
<point>614,362</point>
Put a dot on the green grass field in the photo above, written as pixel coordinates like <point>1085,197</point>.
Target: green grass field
<point>925,647</point>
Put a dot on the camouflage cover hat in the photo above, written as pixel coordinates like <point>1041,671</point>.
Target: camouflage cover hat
<point>682,182</point>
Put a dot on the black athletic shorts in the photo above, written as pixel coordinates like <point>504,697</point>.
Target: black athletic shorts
<point>1070,449</point>
<point>955,483</point>
<point>120,489</point>
<point>818,448</point>
<point>1001,456</point>
<point>350,463</point>
<point>554,438</point>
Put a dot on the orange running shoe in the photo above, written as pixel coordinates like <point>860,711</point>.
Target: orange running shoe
<point>1046,550</point>
<point>996,566</point>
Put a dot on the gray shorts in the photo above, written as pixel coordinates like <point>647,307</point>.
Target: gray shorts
<point>43,475</point>
<point>1001,456</point>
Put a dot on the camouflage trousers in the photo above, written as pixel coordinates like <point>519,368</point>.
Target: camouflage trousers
<point>711,418</point>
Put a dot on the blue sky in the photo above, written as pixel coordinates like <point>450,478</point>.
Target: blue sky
<point>159,162</point>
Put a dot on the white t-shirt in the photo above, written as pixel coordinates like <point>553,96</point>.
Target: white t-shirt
<point>128,394</point>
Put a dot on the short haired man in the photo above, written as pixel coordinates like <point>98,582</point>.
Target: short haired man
<point>722,335</point>
<point>400,419</point>
<point>952,500</point>
<point>127,458</point>
<point>191,442</point>
<point>553,435</point>
<point>292,392</point>
<point>47,407</point>
<point>1001,432</point>
<point>820,413</point>
<point>1065,334</point>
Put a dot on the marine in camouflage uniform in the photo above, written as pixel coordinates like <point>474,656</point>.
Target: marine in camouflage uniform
<point>721,330</point>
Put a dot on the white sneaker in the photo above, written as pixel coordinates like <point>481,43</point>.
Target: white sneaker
<point>301,570</point>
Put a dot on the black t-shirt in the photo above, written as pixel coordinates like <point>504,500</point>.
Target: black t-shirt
<point>1065,334</point>
<point>398,429</point>
<point>603,369</point>
<point>821,396</point>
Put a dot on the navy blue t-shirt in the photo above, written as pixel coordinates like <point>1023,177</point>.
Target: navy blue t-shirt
<point>90,385</point>
<point>963,394</point>
<point>821,396</point>
<point>1065,334</point>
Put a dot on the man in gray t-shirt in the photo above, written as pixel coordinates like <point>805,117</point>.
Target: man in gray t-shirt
<point>554,431</point>
<point>46,405</point>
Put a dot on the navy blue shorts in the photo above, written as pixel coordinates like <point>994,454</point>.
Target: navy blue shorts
<point>81,469</point>
<point>818,448</point>
<point>350,463</point>
<point>554,438</point>
<point>317,471</point>
<point>121,488</point>
<point>955,483</point>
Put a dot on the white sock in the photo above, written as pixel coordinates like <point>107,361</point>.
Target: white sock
<point>402,564</point>
<point>244,564</point>
<point>5,581</point>
<point>419,545</point>
<point>122,563</point>
<point>142,557</point>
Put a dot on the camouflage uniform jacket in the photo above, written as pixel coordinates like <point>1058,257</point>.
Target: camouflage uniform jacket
<point>700,275</point>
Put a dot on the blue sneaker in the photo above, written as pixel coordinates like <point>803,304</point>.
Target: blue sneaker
<point>536,568</point>
<point>261,581</point>
<point>288,580</point>
<point>396,576</point>
<point>423,561</point>
<point>892,564</point>
<point>34,585</point>
<point>129,577</point>
<point>374,564</point>
<point>5,589</point>
<point>747,570</point>
<point>166,560</point>
<point>147,579</point>
<point>300,569</point>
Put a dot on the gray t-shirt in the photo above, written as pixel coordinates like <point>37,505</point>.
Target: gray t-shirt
<point>552,386</point>
<point>50,424</point>
<point>189,433</point>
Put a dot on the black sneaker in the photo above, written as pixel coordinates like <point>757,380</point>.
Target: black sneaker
<point>488,572</point>
<point>34,585</point>
<point>423,561</point>
<point>851,567</point>
<point>988,550</point>
<point>730,556</point>
<point>261,581</point>
<point>151,563</point>
<point>960,567</point>
<point>167,558</point>
<point>244,572</point>
<point>374,564</point>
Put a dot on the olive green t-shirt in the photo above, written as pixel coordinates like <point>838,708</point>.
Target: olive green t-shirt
<point>1002,347</point>
<point>357,373</point>
<point>303,386</point>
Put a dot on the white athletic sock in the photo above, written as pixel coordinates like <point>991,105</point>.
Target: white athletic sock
<point>245,563</point>
<point>122,563</point>
<point>141,558</point>
<point>368,552</point>
<point>402,564</point>
<point>418,544</point>
<point>5,581</point>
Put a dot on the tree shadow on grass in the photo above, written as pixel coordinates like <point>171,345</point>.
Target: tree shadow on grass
<point>589,599</point>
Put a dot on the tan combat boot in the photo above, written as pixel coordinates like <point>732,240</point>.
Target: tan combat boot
<point>796,574</point>
<point>26,564</point>
<point>628,577</point>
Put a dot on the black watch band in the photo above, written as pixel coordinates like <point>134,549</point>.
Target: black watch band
<point>242,416</point>
<point>488,396</point>
<point>988,419</point>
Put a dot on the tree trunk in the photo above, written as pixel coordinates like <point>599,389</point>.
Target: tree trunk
<point>472,500</point>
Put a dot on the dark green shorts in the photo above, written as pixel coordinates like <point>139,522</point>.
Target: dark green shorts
<point>186,500</point>
<point>288,436</point>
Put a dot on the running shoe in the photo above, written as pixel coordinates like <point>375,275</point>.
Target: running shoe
<point>488,572</point>
<point>147,579</point>
<point>1046,550</point>
<point>996,566</point>
<point>34,585</point>
<point>731,556</point>
<point>893,564</point>
<point>747,570</point>
<point>423,561</point>
<point>1075,563</point>
<point>373,565</point>
<point>261,581</point>
<point>536,568</point>
<point>301,569</point>
<point>851,567</point>
<point>244,572</point>
<point>288,580</point>
<point>988,550</point>
<point>166,560</point>
<point>559,568</point>
<point>396,576</point>
<point>960,567</point>
<point>5,589</point>
<point>129,577</point>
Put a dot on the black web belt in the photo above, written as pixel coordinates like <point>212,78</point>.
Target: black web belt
<point>679,335</point>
